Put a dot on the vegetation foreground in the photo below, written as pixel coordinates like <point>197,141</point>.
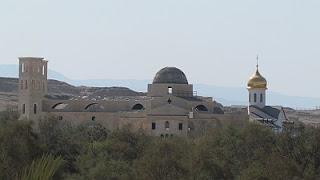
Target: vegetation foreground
<point>91,152</point>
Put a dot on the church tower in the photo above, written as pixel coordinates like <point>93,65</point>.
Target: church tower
<point>32,86</point>
<point>257,86</point>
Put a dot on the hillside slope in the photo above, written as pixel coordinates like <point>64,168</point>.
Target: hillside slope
<point>61,90</point>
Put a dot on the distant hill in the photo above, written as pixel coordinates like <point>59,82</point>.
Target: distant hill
<point>55,87</point>
<point>225,95</point>
<point>60,90</point>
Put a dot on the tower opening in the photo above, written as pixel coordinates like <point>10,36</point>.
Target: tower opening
<point>35,108</point>
<point>138,107</point>
<point>201,108</point>
<point>167,125</point>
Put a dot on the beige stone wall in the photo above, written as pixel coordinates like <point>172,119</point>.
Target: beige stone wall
<point>200,124</point>
<point>188,105</point>
<point>111,121</point>
<point>160,122</point>
<point>158,90</point>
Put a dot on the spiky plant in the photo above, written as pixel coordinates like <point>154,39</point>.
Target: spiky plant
<point>43,168</point>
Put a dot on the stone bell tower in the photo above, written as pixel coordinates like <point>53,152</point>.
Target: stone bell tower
<point>32,86</point>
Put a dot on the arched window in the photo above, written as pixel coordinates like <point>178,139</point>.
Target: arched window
<point>255,97</point>
<point>35,108</point>
<point>138,107</point>
<point>59,106</point>
<point>89,105</point>
<point>201,108</point>
<point>167,125</point>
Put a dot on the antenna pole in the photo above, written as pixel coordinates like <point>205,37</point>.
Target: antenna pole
<point>257,61</point>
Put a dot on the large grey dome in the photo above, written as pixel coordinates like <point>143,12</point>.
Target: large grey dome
<point>170,75</point>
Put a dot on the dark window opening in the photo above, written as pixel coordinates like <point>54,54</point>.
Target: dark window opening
<point>201,108</point>
<point>167,125</point>
<point>153,126</point>
<point>255,97</point>
<point>93,118</point>
<point>162,135</point>
<point>23,108</point>
<point>250,97</point>
<point>167,135</point>
<point>138,107</point>
<point>261,98</point>
<point>35,108</point>
<point>60,118</point>
<point>180,126</point>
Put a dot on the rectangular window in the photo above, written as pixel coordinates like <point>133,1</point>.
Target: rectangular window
<point>153,126</point>
<point>180,126</point>
<point>169,90</point>
<point>26,84</point>
<point>35,109</point>
<point>23,108</point>
<point>21,84</point>
<point>60,118</point>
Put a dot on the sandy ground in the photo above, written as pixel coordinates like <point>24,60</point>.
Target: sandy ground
<point>309,117</point>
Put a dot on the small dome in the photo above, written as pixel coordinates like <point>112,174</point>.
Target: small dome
<point>170,75</point>
<point>257,81</point>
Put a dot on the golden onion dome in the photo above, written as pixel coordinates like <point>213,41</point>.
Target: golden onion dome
<point>257,81</point>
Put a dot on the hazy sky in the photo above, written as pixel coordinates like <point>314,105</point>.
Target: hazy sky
<point>213,42</point>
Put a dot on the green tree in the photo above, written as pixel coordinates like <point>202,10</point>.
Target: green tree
<point>18,146</point>
<point>111,158</point>
<point>165,159</point>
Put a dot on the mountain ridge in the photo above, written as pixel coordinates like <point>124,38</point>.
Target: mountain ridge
<point>226,95</point>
